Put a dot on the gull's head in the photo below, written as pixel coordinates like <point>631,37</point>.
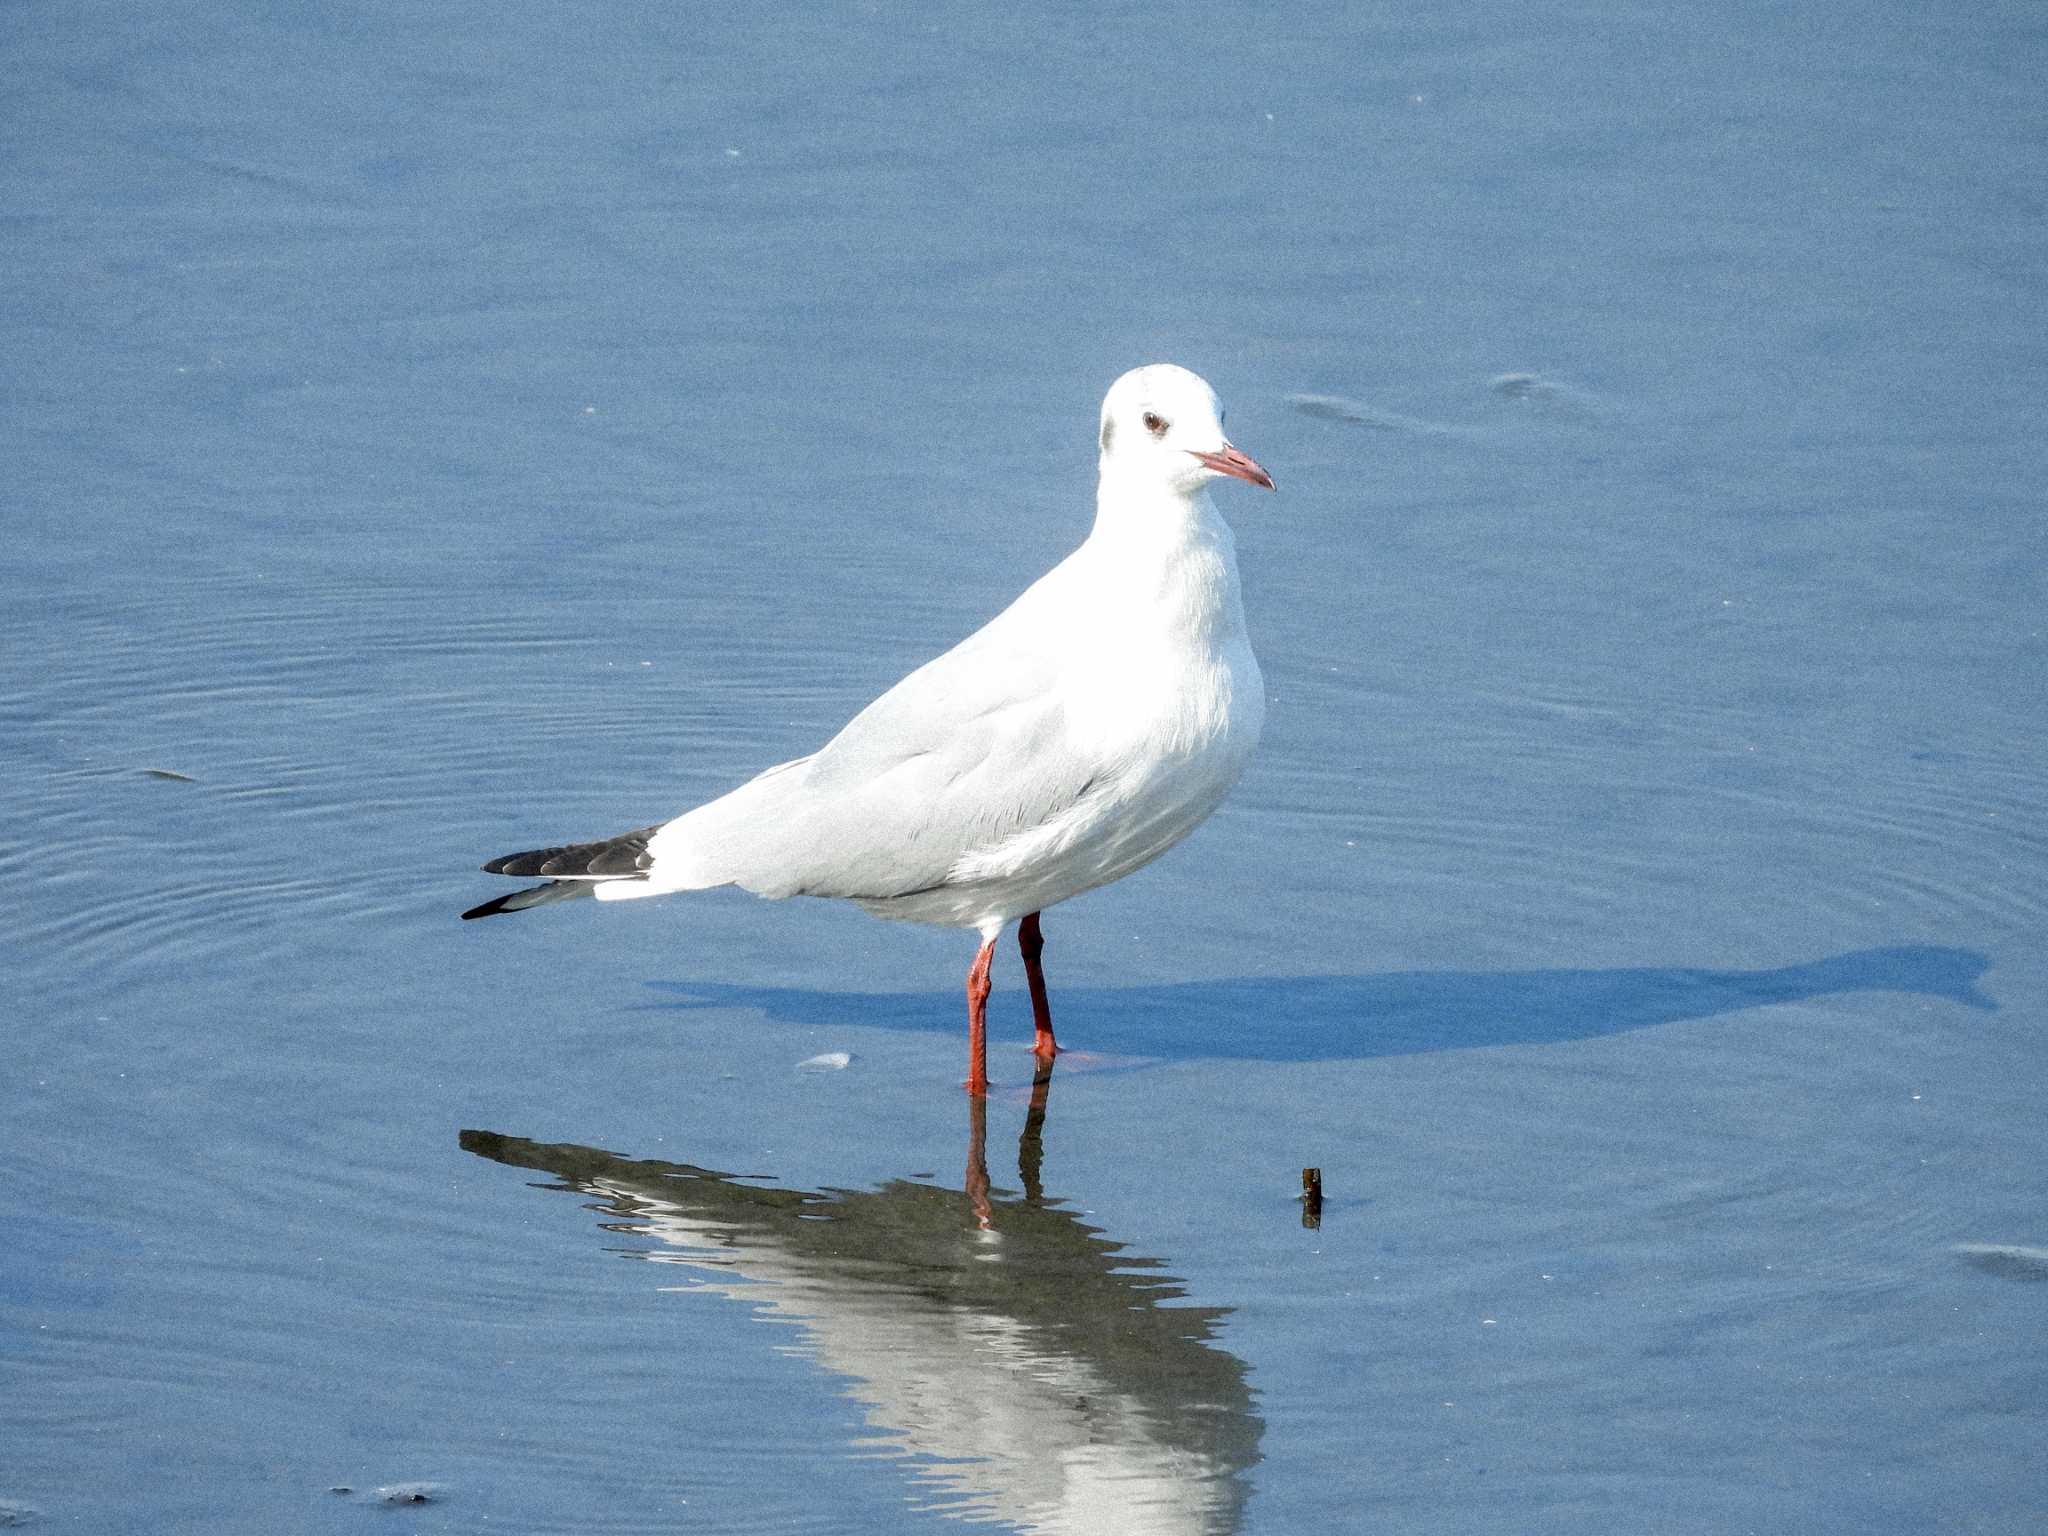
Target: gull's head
<point>1163,426</point>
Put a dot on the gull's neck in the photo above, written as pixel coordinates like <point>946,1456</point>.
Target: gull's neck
<point>1141,515</point>
<point>1166,563</point>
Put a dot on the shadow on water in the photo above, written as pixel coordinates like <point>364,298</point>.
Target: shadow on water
<point>1324,1018</point>
<point>1024,1364</point>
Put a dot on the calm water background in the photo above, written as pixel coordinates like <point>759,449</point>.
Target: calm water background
<point>431,431</point>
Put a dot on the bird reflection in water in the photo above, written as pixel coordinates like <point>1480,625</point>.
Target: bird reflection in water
<point>1029,1369</point>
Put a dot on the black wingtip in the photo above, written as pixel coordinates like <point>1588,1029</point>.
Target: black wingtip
<point>494,907</point>
<point>620,858</point>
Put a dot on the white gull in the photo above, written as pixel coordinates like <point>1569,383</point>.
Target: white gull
<point>1081,733</point>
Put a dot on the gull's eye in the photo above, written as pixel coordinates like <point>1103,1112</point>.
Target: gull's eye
<point>1155,424</point>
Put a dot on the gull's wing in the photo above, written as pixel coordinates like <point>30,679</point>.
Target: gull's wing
<point>969,750</point>
<point>964,753</point>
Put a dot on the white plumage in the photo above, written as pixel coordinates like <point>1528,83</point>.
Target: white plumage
<point>1081,733</point>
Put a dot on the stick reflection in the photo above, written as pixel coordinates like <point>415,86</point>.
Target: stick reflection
<point>1025,1366</point>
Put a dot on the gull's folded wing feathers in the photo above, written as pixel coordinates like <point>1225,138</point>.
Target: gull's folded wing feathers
<point>967,751</point>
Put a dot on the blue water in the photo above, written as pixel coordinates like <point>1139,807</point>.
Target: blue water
<point>431,432</point>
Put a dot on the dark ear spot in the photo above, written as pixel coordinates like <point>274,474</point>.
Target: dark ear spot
<point>1108,433</point>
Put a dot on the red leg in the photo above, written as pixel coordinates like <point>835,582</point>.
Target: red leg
<point>977,1018</point>
<point>1032,943</point>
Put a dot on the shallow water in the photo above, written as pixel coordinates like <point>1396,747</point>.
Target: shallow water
<point>430,434</point>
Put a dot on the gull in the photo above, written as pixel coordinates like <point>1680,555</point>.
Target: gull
<point>1074,738</point>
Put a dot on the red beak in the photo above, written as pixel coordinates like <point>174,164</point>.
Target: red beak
<point>1231,462</point>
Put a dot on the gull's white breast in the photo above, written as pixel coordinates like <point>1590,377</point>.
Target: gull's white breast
<point>1162,701</point>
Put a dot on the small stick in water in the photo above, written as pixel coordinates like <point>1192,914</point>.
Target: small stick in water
<point>1312,1198</point>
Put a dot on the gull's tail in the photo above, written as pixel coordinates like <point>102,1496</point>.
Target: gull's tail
<point>574,869</point>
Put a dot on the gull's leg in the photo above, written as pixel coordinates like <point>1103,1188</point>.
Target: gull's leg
<point>1032,943</point>
<point>977,1016</point>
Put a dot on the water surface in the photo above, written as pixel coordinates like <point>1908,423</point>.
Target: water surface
<point>433,433</point>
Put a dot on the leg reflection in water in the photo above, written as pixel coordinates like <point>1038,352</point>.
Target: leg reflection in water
<point>1030,1147</point>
